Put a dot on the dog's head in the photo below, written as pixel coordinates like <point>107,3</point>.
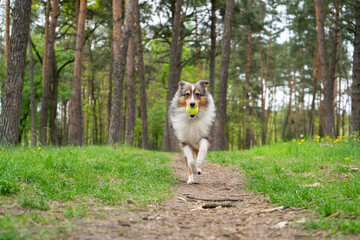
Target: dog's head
<point>193,95</point>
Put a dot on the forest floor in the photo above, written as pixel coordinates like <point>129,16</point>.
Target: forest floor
<point>183,216</point>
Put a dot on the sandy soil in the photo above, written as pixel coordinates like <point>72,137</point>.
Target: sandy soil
<point>247,215</point>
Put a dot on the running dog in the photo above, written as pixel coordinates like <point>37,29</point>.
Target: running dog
<point>192,128</point>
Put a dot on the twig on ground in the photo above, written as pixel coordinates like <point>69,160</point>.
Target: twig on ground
<point>216,199</point>
<point>215,205</point>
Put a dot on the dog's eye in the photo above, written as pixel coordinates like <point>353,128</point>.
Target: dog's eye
<point>187,94</point>
<point>197,94</point>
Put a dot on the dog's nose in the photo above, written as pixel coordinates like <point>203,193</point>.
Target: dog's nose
<point>192,104</point>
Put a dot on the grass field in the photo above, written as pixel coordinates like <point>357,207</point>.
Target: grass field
<point>322,176</point>
<point>34,182</point>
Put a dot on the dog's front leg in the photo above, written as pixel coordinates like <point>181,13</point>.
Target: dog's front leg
<point>191,163</point>
<point>203,148</point>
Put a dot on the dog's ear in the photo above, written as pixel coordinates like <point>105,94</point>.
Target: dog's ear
<point>203,83</point>
<point>181,85</point>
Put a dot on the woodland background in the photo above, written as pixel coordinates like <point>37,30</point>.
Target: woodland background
<point>98,72</point>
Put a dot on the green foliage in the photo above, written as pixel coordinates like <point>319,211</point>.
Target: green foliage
<point>322,176</point>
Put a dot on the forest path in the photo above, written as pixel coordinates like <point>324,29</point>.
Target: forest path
<point>182,216</point>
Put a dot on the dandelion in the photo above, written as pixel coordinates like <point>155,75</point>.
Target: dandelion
<point>3,149</point>
<point>84,151</point>
<point>125,151</point>
<point>318,137</point>
<point>302,140</point>
<point>294,140</point>
<point>39,148</point>
<point>299,143</point>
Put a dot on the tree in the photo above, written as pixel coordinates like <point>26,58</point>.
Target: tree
<point>115,130</point>
<point>219,139</point>
<point>142,83</point>
<point>12,99</point>
<point>76,125</point>
<point>328,82</point>
<point>7,34</point>
<point>212,48</point>
<point>32,94</point>
<point>355,88</point>
<point>169,139</point>
<point>130,93</point>
<point>49,62</point>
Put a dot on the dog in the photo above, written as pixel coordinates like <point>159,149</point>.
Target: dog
<point>193,130</point>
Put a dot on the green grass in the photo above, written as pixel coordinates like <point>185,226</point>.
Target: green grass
<point>287,172</point>
<point>35,178</point>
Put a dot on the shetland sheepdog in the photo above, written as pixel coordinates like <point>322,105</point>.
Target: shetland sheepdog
<point>193,130</point>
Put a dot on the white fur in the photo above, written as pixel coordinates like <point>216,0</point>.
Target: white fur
<point>193,131</point>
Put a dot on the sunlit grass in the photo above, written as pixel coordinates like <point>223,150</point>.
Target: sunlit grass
<point>321,175</point>
<point>34,178</point>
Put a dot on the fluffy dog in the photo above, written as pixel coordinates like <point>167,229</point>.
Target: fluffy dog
<point>193,130</point>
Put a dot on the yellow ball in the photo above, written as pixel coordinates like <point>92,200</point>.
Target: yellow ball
<point>192,111</point>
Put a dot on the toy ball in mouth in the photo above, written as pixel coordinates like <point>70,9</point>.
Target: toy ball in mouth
<point>192,111</point>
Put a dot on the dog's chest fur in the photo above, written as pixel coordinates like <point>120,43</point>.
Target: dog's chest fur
<point>192,130</point>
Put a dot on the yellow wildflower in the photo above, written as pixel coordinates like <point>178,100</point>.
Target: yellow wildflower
<point>302,140</point>
<point>294,140</point>
<point>39,148</point>
<point>318,137</point>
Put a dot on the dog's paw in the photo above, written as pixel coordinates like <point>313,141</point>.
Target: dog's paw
<point>190,179</point>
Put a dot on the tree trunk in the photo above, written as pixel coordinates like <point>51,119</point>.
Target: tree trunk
<point>49,63</point>
<point>169,135</point>
<point>328,81</point>
<point>7,35</point>
<point>262,96</point>
<point>317,74</point>
<point>76,128</point>
<point>46,38</point>
<point>116,121</point>
<point>291,87</point>
<point>130,93</point>
<point>32,95</point>
<point>142,83</point>
<point>220,122</point>
<point>248,131</point>
<point>333,62</point>
<point>110,85</point>
<point>53,105</point>
<point>12,99</point>
<point>212,48</point>
<point>355,88</point>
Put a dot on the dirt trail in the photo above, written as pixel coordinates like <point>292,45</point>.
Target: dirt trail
<point>182,216</point>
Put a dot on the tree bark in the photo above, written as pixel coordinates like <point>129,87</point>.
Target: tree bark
<point>219,136</point>
<point>116,121</point>
<point>32,95</point>
<point>12,98</point>
<point>316,76</point>
<point>291,82</point>
<point>328,81</point>
<point>110,86</point>
<point>169,135</point>
<point>53,105</point>
<point>262,96</point>
<point>49,62</point>
<point>355,88</point>
<point>142,83</point>
<point>212,48</point>
<point>76,128</point>
<point>7,35</point>
<point>130,93</point>
<point>248,130</point>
